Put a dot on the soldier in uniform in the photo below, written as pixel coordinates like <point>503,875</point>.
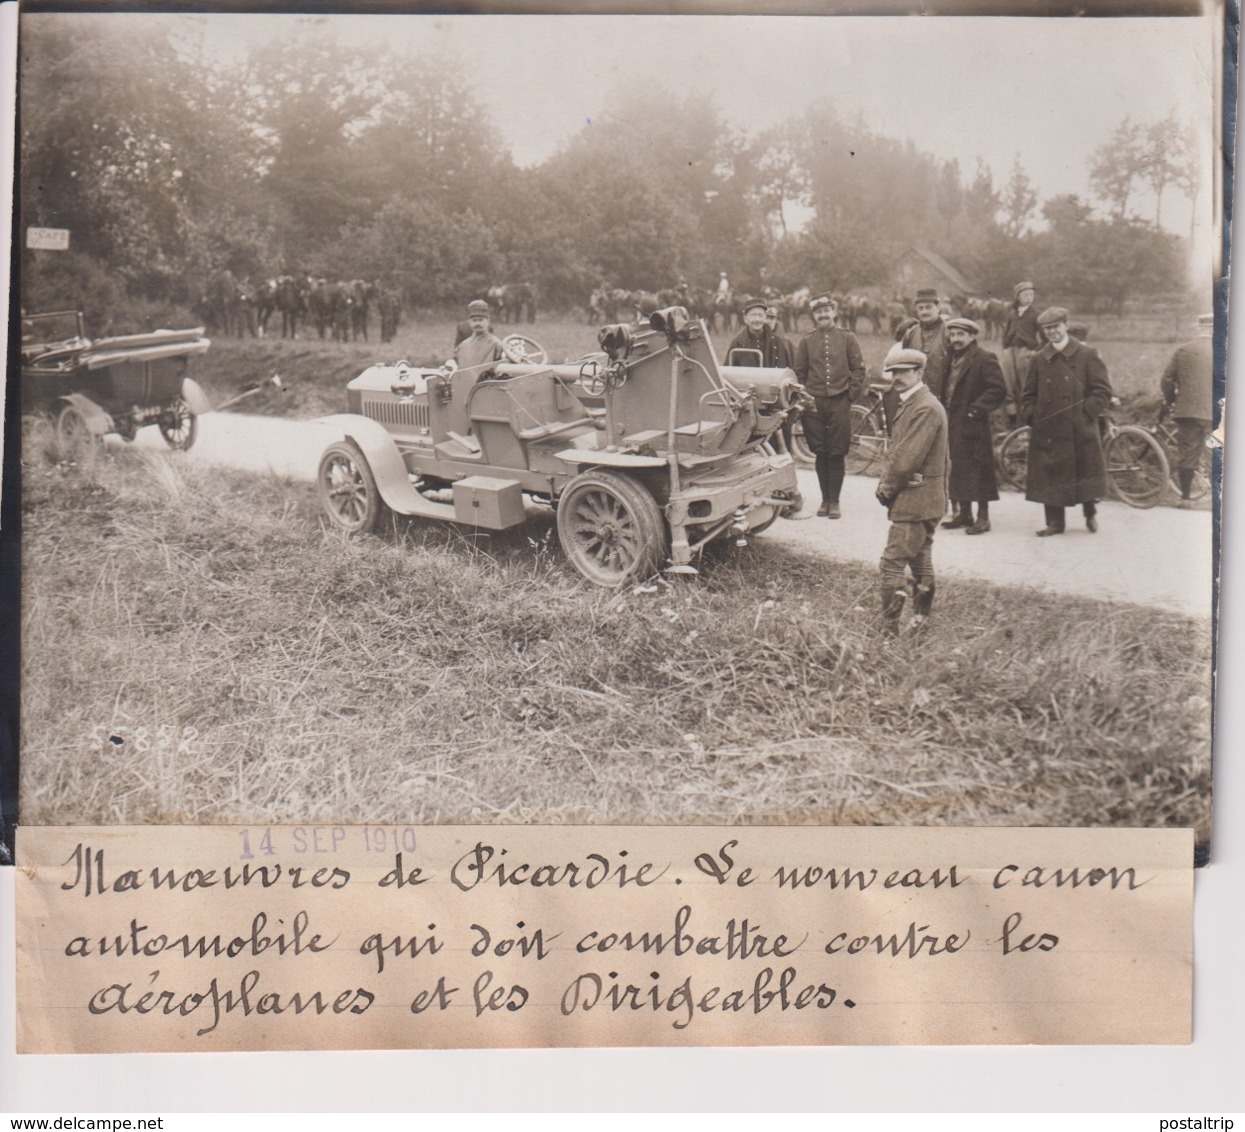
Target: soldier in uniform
<point>1067,389</point>
<point>1188,392</point>
<point>1021,337</point>
<point>829,364</point>
<point>913,489</point>
<point>781,351</point>
<point>928,336</point>
<point>972,390</point>
<point>483,349</point>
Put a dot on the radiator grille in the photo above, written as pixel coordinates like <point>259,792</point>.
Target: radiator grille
<point>412,414</point>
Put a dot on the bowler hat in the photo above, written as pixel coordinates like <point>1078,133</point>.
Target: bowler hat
<point>750,304</point>
<point>964,324</point>
<point>477,306</point>
<point>1052,315</point>
<point>821,301</point>
<point>927,295</point>
<point>1025,286</point>
<point>904,359</point>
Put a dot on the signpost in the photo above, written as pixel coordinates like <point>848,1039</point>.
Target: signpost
<point>48,239</point>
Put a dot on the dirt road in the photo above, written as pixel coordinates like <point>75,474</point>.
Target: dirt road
<point>1160,557</point>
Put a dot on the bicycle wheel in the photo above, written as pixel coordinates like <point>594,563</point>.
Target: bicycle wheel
<point>1012,458</point>
<point>868,441</point>
<point>1137,470</point>
<point>799,447</point>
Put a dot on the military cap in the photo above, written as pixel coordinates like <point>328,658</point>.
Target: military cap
<point>964,324</point>
<point>904,359</point>
<point>1052,315</point>
<point>477,306</point>
<point>1025,286</point>
<point>927,295</point>
<point>821,301</point>
<point>751,303</point>
<point>1078,330</point>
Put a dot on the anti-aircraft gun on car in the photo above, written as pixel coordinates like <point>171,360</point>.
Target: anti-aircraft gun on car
<point>649,450</point>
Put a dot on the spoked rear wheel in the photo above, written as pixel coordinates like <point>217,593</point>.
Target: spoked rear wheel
<point>178,425</point>
<point>1137,470</point>
<point>868,442</point>
<point>1012,459</point>
<point>611,528</point>
<point>75,442</point>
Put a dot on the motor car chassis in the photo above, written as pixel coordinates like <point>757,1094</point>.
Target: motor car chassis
<point>648,451</point>
<point>110,385</point>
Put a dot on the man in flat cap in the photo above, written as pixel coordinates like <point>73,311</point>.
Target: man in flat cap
<point>1067,389</point>
<point>913,488</point>
<point>483,349</point>
<point>831,367</point>
<point>928,336</point>
<point>1188,394</point>
<point>781,352</point>
<point>972,389</point>
<point>1021,337</point>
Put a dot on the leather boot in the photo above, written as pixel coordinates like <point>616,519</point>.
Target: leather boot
<point>892,607</point>
<point>922,603</point>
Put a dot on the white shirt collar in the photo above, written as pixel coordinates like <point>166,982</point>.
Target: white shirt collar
<point>908,392</point>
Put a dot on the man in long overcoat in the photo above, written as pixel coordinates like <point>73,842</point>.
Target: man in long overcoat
<point>913,488</point>
<point>972,389</point>
<point>1188,393</point>
<point>1067,389</point>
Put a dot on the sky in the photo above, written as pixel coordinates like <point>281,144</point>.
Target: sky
<point>1046,92</point>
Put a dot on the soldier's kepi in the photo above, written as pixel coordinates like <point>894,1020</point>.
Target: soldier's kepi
<point>913,489</point>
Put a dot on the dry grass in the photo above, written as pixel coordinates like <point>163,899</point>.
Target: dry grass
<point>284,673</point>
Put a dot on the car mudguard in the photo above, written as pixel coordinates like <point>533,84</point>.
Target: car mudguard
<point>98,421</point>
<point>193,395</point>
<point>383,457</point>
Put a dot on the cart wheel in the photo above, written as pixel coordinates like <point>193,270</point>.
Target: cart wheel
<point>521,348</point>
<point>75,442</point>
<point>611,528</point>
<point>1136,468</point>
<point>178,425</point>
<point>1012,459</point>
<point>348,489</point>
<point>799,446</point>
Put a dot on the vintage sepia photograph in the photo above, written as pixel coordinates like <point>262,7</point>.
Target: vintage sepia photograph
<point>618,419</point>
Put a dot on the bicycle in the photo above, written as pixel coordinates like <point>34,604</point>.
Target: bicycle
<point>1164,431</point>
<point>1137,469</point>
<point>870,436</point>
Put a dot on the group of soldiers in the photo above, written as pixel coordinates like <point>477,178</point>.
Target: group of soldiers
<point>940,390</point>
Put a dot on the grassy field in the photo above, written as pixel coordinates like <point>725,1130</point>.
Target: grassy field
<point>315,372</point>
<point>197,647</point>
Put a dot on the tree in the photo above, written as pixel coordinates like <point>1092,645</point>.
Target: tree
<point>1163,143</point>
<point>949,193</point>
<point>1116,166</point>
<point>1019,201</point>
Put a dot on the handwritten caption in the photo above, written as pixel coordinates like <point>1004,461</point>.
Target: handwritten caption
<point>392,937</point>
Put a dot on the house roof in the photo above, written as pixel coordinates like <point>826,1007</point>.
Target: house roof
<point>941,265</point>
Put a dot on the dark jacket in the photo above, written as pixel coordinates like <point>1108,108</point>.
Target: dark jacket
<point>918,447</point>
<point>1188,381</point>
<point>1022,329</point>
<point>776,351</point>
<point>977,392</point>
<point>1065,394</point>
<point>829,362</point>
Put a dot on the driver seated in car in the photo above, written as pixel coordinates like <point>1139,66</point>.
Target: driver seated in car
<point>483,350</point>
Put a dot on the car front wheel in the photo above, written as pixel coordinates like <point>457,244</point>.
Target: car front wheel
<point>348,489</point>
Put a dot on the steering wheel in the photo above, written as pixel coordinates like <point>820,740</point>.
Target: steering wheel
<point>522,349</point>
